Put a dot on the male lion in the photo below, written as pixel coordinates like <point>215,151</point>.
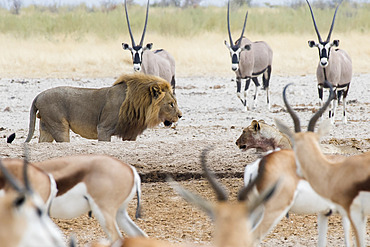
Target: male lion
<point>134,102</point>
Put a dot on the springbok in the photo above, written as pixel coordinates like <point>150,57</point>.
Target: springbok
<point>24,220</point>
<point>295,195</point>
<point>80,186</point>
<point>159,63</point>
<point>345,182</point>
<point>233,220</point>
<point>83,182</point>
<point>249,60</point>
<point>335,66</point>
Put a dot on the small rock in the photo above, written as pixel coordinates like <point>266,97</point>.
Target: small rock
<point>7,109</point>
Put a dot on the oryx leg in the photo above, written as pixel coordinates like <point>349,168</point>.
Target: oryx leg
<point>247,83</point>
<point>345,92</point>
<point>266,83</point>
<point>320,90</point>
<point>173,84</point>
<point>257,84</point>
<point>238,89</point>
<point>333,104</point>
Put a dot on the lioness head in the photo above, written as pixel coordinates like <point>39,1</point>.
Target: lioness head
<point>262,136</point>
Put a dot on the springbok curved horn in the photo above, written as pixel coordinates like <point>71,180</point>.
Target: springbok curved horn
<point>314,22</point>
<point>228,22</point>
<point>11,179</point>
<point>297,125</point>
<point>313,120</point>
<point>332,23</point>
<point>245,22</point>
<point>146,21</point>
<point>129,26</point>
<point>219,190</point>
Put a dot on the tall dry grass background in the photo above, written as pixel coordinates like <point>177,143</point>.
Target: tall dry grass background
<point>85,42</point>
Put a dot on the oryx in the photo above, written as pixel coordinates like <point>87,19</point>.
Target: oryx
<point>249,60</point>
<point>335,66</point>
<point>159,63</point>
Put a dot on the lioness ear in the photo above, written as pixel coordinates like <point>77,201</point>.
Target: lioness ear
<point>155,91</point>
<point>255,125</point>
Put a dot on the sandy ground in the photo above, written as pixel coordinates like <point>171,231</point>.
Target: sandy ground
<point>212,117</point>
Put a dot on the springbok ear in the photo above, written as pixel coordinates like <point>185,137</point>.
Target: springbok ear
<point>247,47</point>
<point>125,46</point>
<point>284,128</point>
<point>324,128</point>
<point>256,216</point>
<point>148,46</point>
<point>335,42</point>
<point>256,208</point>
<point>311,43</point>
<point>155,91</point>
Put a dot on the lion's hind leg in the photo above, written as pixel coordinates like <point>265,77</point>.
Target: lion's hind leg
<point>56,131</point>
<point>45,136</point>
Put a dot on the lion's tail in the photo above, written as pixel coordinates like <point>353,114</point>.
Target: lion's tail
<point>31,127</point>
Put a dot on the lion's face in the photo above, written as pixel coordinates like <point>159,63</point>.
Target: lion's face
<point>254,136</point>
<point>169,111</point>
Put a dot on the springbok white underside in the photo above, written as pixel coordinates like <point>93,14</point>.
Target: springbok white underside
<point>71,204</point>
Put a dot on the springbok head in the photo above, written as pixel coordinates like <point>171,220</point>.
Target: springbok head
<point>297,137</point>
<point>137,50</point>
<point>323,46</point>
<point>235,49</point>
<point>234,221</point>
<point>24,219</point>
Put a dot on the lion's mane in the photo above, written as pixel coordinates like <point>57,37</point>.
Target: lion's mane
<point>140,108</point>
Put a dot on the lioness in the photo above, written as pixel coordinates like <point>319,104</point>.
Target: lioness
<point>262,136</point>
<point>134,102</point>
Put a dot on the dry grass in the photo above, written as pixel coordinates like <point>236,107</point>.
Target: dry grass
<point>204,54</point>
